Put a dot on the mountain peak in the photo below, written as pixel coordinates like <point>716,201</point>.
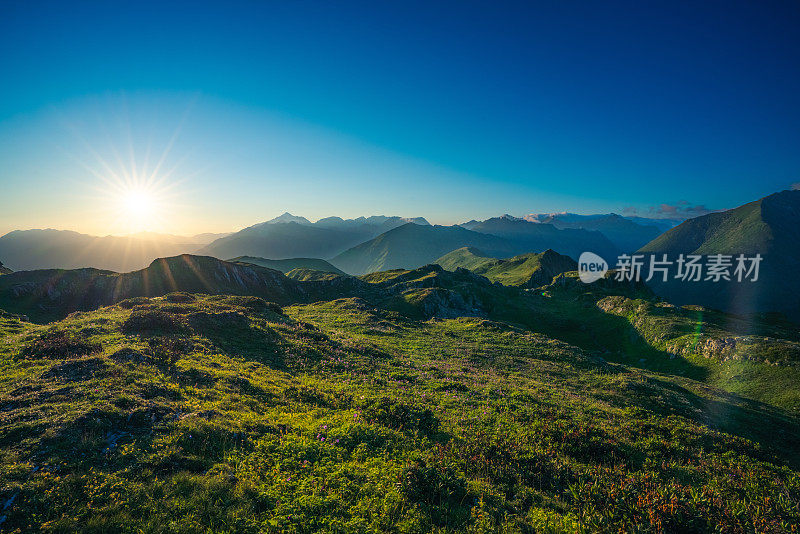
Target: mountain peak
<point>287,217</point>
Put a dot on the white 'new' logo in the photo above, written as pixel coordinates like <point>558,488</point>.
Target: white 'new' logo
<point>591,267</point>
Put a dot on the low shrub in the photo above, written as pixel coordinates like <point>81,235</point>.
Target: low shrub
<point>400,416</point>
<point>60,345</point>
<point>180,297</point>
<point>127,304</point>
<point>150,321</point>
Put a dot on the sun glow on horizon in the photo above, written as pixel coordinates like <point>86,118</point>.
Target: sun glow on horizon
<point>138,204</point>
<point>137,188</point>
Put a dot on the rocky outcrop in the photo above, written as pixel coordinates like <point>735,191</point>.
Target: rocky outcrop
<point>551,264</point>
<point>683,332</point>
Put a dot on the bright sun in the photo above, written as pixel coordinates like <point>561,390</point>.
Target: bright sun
<point>138,204</point>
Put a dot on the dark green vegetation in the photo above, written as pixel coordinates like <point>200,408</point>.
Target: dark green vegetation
<point>770,226</point>
<point>406,400</point>
<point>284,266</point>
<point>307,275</point>
<point>526,270</point>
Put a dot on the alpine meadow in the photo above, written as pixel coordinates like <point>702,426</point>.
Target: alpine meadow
<point>439,267</point>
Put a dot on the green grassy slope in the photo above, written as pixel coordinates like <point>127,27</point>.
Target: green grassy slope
<point>307,275</point>
<point>738,230</point>
<point>770,227</point>
<point>756,357</point>
<point>290,264</point>
<point>652,336</point>
<point>228,414</point>
<point>467,258</point>
<point>530,270</point>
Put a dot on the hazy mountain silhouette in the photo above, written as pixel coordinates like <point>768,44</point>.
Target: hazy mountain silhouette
<point>411,246</point>
<point>198,239</point>
<point>64,249</point>
<point>289,236</point>
<point>538,237</point>
<point>625,234</point>
<point>575,220</point>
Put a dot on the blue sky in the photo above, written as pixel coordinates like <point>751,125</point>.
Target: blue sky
<point>450,111</point>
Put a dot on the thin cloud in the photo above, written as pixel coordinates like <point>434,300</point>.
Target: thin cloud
<point>678,210</point>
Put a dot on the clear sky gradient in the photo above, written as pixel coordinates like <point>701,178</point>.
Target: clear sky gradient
<point>450,111</point>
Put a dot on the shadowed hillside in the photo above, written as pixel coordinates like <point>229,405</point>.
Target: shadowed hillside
<point>770,227</point>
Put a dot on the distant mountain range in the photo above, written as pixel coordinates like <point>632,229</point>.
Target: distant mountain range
<point>286,236</point>
<point>289,236</point>
<point>63,249</point>
<point>411,246</point>
<point>352,242</point>
<point>526,270</point>
<point>505,248</point>
<point>769,226</point>
<point>627,236</point>
<point>574,220</point>
<point>532,237</point>
<point>624,234</point>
